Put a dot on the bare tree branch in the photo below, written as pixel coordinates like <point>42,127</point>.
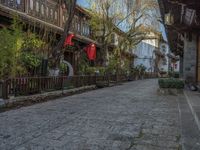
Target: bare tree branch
<point>58,49</point>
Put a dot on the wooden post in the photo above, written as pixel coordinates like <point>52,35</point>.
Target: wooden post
<point>62,77</point>
<point>4,89</point>
<point>39,89</point>
<point>108,80</point>
<point>95,79</point>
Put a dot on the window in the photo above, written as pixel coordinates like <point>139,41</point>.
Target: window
<point>56,15</point>
<point>63,18</point>
<point>18,2</point>
<point>42,9</point>
<point>3,1</point>
<point>11,3</point>
<point>47,12</point>
<point>51,13</point>
<point>164,63</point>
<point>37,6</point>
<point>31,4</point>
<point>78,26</point>
<point>87,30</point>
<point>164,48</point>
<point>83,29</point>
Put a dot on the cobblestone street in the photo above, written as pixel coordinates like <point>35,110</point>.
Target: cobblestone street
<point>131,116</point>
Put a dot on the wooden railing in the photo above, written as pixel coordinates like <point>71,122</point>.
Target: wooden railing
<point>14,4</point>
<point>35,85</point>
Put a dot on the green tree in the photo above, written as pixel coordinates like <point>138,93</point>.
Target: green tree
<point>19,51</point>
<point>10,49</point>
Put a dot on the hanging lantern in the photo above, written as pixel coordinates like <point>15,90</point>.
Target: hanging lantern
<point>91,51</point>
<point>68,40</point>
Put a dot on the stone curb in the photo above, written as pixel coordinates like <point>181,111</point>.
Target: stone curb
<point>169,91</point>
<point>197,119</point>
<point>24,100</point>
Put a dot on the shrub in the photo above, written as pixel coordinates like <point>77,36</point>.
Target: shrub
<point>93,70</point>
<point>171,83</point>
<point>63,69</point>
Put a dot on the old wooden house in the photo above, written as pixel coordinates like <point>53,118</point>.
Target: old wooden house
<point>182,22</point>
<point>50,16</point>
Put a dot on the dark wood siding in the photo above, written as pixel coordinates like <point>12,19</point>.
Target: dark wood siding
<point>53,12</point>
<point>14,4</point>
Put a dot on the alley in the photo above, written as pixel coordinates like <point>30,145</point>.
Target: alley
<point>132,116</point>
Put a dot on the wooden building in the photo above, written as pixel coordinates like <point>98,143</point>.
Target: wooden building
<point>182,22</point>
<point>50,15</point>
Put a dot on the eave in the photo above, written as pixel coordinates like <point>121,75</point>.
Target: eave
<point>8,12</point>
<point>173,31</point>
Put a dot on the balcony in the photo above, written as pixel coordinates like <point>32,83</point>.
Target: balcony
<point>14,4</point>
<point>47,12</point>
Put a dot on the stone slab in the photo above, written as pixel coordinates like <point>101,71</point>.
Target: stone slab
<point>127,117</point>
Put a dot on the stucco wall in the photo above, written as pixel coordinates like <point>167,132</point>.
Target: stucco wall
<point>145,55</point>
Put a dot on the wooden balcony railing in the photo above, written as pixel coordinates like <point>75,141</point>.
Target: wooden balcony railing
<point>14,4</point>
<point>51,12</point>
<point>44,10</point>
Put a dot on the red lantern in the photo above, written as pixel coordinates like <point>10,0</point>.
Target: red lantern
<point>91,51</point>
<point>68,40</point>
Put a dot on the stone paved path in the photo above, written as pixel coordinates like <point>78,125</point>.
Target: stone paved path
<point>128,117</point>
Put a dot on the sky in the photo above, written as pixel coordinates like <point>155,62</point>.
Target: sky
<point>85,4</point>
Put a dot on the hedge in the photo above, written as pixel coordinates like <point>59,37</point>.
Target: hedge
<point>171,83</point>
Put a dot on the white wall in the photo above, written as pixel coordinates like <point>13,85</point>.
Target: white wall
<point>145,54</point>
<point>164,64</point>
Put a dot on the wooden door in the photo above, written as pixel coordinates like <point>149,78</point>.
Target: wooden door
<point>198,61</point>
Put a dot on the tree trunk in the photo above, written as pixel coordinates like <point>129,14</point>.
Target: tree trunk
<point>58,49</point>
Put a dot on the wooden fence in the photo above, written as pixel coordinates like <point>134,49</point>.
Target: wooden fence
<point>34,85</point>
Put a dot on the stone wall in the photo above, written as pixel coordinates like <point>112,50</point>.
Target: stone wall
<point>190,58</point>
